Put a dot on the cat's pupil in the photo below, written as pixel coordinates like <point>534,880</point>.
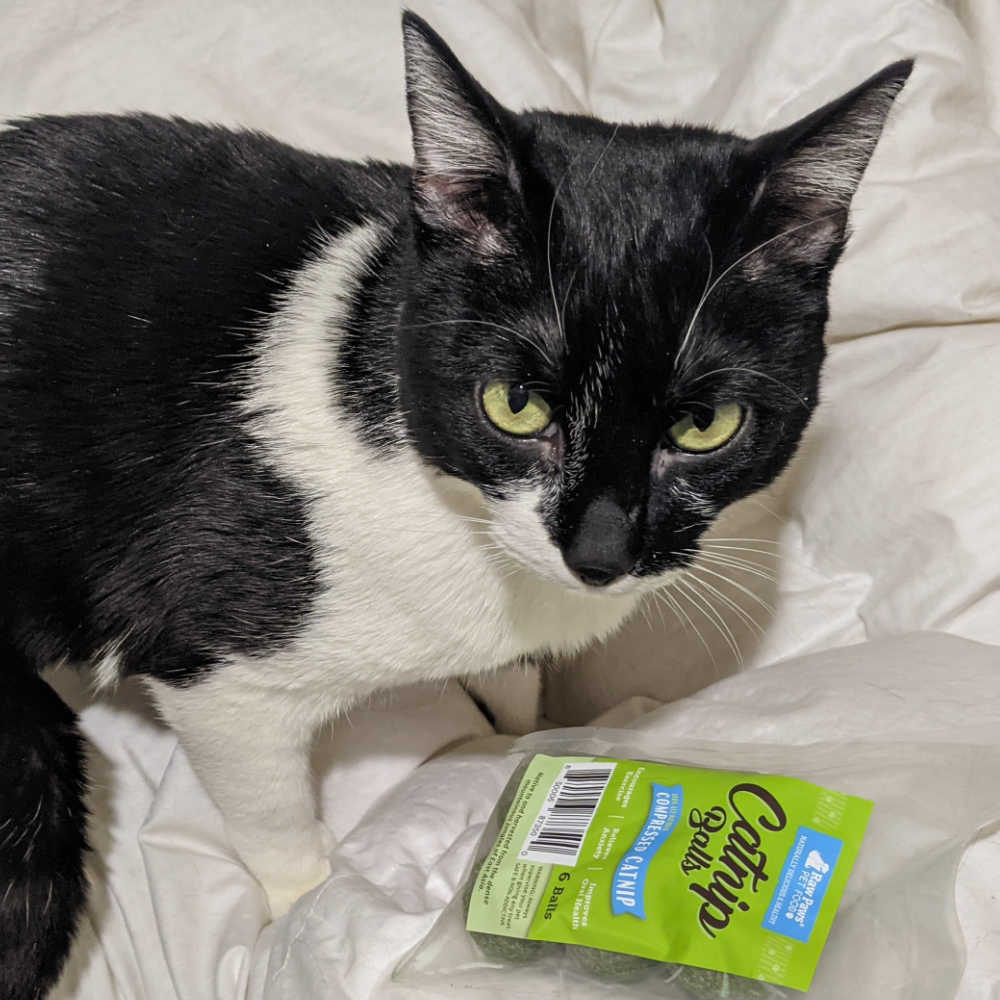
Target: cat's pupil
<point>517,398</point>
<point>702,418</point>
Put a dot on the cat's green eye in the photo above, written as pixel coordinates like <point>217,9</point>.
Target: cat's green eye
<point>515,409</point>
<point>699,436</point>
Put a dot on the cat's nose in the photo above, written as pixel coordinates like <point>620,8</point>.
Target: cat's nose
<point>602,549</point>
<point>596,576</point>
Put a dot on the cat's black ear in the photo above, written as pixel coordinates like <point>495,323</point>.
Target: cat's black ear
<point>816,164</point>
<point>464,180</point>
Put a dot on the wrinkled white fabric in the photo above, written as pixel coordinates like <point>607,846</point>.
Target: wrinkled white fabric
<point>347,939</point>
<point>886,522</point>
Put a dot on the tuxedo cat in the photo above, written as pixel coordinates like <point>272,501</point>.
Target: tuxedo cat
<point>278,431</point>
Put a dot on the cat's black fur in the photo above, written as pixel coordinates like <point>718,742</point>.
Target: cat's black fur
<point>138,257</point>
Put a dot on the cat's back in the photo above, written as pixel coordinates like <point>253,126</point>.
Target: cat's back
<point>123,196</point>
<point>140,258</point>
<point>140,254</point>
<point>82,162</point>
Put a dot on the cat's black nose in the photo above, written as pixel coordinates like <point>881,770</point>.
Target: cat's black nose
<point>602,548</point>
<point>596,576</point>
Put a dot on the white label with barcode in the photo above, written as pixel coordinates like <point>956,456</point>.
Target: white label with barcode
<point>559,830</point>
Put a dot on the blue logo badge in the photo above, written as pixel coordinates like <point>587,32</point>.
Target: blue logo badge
<point>804,879</point>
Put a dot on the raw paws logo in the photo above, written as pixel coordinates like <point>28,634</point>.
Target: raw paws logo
<point>805,877</point>
<point>815,861</point>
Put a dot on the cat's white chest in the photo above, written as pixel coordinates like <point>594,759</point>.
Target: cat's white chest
<point>422,592</point>
<point>410,590</point>
<point>412,586</point>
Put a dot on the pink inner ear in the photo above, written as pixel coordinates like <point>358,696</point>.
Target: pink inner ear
<point>802,238</point>
<point>457,204</point>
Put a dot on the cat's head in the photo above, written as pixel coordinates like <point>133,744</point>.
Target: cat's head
<point>615,331</point>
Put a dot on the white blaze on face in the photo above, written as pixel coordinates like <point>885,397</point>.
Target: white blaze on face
<point>519,530</point>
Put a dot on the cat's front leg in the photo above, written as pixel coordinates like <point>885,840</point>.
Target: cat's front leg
<point>250,747</point>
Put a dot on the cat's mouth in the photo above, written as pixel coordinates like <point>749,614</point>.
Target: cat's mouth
<point>629,584</point>
<point>554,568</point>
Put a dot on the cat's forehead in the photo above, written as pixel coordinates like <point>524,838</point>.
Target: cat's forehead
<point>630,189</point>
<point>623,213</point>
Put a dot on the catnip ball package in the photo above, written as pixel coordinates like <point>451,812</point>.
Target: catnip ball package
<point>618,865</point>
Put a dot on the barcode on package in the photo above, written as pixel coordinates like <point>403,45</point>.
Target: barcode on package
<point>558,832</point>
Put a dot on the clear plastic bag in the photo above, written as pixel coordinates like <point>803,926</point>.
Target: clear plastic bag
<point>896,935</point>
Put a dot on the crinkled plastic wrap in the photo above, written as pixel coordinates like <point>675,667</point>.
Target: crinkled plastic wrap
<point>895,936</point>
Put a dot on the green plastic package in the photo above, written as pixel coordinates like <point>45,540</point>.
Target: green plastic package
<point>731,872</point>
<point>650,869</point>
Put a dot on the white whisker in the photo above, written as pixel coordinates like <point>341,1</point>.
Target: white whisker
<point>520,335</point>
<point>744,615</point>
<point>763,541</point>
<point>739,260</point>
<point>764,375</point>
<point>600,156</point>
<point>548,242</point>
<point>746,590</point>
<point>704,522</point>
<point>701,301</point>
<point>552,212</point>
<point>729,555</point>
<point>565,301</point>
<point>740,548</point>
<point>712,613</point>
<point>644,611</point>
<point>681,614</point>
<point>741,565</point>
<point>763,506</point>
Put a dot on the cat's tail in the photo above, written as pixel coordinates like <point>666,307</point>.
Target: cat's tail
<point>42,834</point>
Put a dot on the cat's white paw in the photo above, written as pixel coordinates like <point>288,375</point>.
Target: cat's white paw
<point>289,865</point>
<point>281,897</point>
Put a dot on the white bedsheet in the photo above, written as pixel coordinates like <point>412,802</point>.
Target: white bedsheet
<point>887,521</point>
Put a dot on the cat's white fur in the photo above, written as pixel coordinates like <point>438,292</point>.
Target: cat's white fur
<point>420,578</point>
<point>106,666</point>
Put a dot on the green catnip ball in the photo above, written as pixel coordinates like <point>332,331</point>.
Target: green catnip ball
<point>611,966</point>
<point>499,947</point>
<point>516,951</point>
<point>706,984</point>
